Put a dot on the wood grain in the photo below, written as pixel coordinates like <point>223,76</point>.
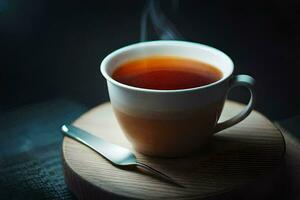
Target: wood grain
<point>237,156</point>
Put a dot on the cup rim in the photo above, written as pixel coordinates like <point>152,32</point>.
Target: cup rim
<point>103,65</point>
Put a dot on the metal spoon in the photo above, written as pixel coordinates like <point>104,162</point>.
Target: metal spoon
<point>115,154</point>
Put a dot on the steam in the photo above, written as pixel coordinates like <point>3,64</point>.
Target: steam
<point>164,29</point>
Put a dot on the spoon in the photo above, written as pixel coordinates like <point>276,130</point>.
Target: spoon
<point>115,154</point>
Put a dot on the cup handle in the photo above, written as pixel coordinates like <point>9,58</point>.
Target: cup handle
<point>248,82</point>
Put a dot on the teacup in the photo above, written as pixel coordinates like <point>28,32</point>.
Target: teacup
<point>170,123</point>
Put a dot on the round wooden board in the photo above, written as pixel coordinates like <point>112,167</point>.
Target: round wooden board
<point>237,157</point>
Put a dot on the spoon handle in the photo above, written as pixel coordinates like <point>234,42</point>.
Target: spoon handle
<point>112,152</point>
<point>158,173</point>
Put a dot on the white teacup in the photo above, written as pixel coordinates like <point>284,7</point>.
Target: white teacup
<point>173,122</point>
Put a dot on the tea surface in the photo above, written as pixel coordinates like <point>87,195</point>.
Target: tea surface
<point>166,73</point>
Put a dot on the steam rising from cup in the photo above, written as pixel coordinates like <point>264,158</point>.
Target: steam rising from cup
<point>164,29</point>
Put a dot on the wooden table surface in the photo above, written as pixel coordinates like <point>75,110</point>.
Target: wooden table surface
<point>243,159</point>
<point>289,184</point>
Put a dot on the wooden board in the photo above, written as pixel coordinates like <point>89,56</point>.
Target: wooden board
<point>237,157</point>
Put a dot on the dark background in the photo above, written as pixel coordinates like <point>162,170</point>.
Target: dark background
<point>52,49</point>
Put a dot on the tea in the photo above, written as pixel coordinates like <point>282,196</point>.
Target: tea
<point>166,73</point>
<point>169,121</point>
